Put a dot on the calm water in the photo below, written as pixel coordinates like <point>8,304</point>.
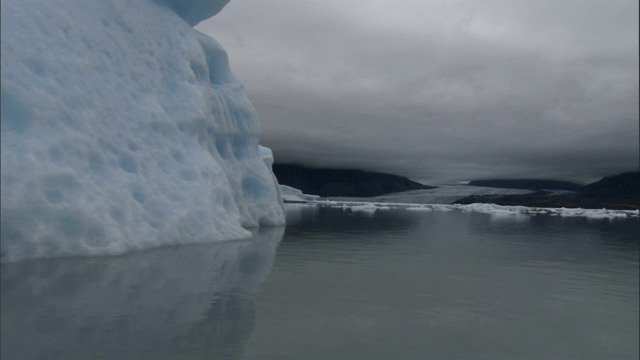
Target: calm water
<point>391,285</point>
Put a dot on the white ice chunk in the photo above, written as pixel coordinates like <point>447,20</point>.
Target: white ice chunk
<point>419,208</point>
<point>293,195</point>
<point>365,208</point>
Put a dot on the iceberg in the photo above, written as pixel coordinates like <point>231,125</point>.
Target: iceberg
<point>124,129</point>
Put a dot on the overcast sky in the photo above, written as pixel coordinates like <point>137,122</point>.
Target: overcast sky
<point>442,91</point>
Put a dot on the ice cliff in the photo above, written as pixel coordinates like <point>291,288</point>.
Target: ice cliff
<point>124,129</point>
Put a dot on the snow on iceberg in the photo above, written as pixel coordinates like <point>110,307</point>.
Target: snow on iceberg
<point>123,129</point>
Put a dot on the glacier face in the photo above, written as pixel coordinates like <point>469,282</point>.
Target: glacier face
<point>123,129</point>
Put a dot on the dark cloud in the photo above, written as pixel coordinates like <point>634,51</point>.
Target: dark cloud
<point>442,90</point>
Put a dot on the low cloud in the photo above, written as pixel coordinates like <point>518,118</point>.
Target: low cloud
<point>442,91</point>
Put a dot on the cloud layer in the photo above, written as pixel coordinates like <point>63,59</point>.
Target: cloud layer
<point>442,90</point>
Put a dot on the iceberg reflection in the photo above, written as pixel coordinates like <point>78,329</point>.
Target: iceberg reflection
<point>180,302</point>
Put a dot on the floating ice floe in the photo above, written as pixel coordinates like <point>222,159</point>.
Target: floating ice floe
<point>493,209</point>
<point>365,208</point>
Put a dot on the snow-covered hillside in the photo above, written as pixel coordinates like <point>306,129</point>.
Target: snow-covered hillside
<point>123,129</point>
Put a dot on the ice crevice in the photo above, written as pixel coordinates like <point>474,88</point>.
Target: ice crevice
<point>124,129</point>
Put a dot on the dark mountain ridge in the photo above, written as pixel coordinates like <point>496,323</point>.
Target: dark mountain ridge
<point>625,185</point>
<point>612,192</point>
<point>529,184</point>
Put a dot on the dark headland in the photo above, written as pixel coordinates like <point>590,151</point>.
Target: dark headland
<point>342,182</point>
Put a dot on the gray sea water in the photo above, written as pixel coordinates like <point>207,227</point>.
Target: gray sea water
<point>393,284</point>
